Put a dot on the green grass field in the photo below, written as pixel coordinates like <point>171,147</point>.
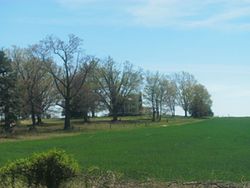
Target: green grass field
<point>213,149</point>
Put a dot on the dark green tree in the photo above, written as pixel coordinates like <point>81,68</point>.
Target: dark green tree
<point>85,102</point>
<point>201,102</point>
<point>8,94</point>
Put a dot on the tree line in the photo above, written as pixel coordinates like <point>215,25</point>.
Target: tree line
<point>56,72</point>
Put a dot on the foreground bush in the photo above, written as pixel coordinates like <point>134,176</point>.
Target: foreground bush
<point>48,169</point>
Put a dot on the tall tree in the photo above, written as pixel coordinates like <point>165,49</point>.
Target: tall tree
<point>151,93</point>
<point>185,82</point>
<point>166,95</point>
<point>71,65</point>
<point>116,83</point>
<point>201,102</point>
<point>8,94</point>
<point>35,82</point>
<point>155,92</point>
<point>171,96</point>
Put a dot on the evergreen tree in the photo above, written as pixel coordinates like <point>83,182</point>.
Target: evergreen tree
<point>8,95</point>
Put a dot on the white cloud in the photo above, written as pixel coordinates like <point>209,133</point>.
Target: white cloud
<point>155,12</point>
<point>225,14</point>
<point>192,13</point>
<point>223,18</point>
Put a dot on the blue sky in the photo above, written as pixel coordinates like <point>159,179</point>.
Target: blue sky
<point>208,38</point>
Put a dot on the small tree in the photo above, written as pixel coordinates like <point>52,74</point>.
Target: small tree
<point>86,101</point>
<point>171,96</point>
<point>47,169</point>
<point>201,102</point>
<point>185,82</point>
<point>151,93</point>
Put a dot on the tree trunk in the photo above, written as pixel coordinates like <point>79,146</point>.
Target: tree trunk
<point>39,119</point>
<point>157,111</point>
<point>153,118</point>
<point>160,112</point>
<point>67,115</point>
<point>115,117</point>
<point>173,112</point>
<point>33,115</point>
<point>6,119</point>
<point>85,117</point>
<point>159,118</point>
<point>114,113</point>
<point>32,111</point>
<point>92,113</point>
<point>185,113</point>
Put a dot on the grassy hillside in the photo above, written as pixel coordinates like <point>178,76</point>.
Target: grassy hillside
<point>216,149</point>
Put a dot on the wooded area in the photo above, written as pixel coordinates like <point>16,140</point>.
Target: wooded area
<point>57,72</point>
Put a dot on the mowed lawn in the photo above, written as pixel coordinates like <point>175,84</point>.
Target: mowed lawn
<point>213,149</point>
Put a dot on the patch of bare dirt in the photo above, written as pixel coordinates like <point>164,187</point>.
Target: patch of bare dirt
<point>183,185</point>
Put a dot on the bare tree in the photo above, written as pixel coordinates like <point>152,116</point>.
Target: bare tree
<point>171,96</point>
<point>71,65</point>
<point>185,82</point>
<point>35,83</point>
<point>155,93</point>
<point>163,94</point>
<point>116,83</point>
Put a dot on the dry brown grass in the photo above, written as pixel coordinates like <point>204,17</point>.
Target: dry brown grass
<point>54,127</point>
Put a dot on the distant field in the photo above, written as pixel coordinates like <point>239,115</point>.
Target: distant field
<point>54,127</point>
<point>213,149</point>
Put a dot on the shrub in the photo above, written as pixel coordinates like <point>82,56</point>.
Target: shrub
<point>48,169</point>
<point>12,172</point>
